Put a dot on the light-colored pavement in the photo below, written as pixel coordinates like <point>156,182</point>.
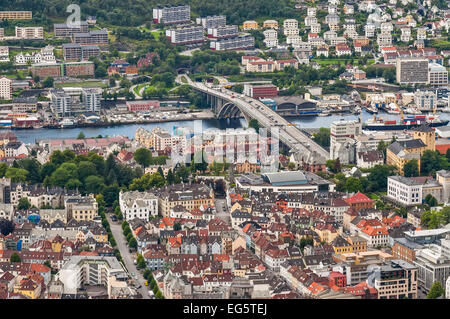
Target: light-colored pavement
<point>222,210</point>
<point>128,258</point>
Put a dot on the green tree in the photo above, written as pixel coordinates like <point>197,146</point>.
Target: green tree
<point>254,124</point>
<point>170,177</point>
<point>48,82</point>
<point>94,184</point>
<point>436,290</point>
<point>132,243</point>
<point>411,168</point>
<point>81,135</point>
<point>431,201</point>
<point>15,258</point>
<point>143,156</point>
<point>17,175</point>
<point>323,137</point>
<point>177,226</point>
<point>24,204</point>
<point>353,184</point>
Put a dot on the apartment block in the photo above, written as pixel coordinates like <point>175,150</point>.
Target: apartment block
<point>5,88</point>
<point>30,33</point>
<point>91,99</point>
<point>412,70</point>
<point>81,207</point>
<point>78,68</point>
<point>16,15</point>
<point>96,37</point>
<point>223,32</point>
<point>62,30</point>
<point>212,22</point>
<point>187,35</point>
<point>76,52</point>
<point>340,132</point>
<point>240,42</point>
<point>139,205</point>
<point>2,33</point>
<point>172,15</point>
<point>61,102</point>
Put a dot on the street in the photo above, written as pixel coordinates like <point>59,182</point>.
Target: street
<point>222,211</point>
<point>128,258</point>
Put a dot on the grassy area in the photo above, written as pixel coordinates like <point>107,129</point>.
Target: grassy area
<point>138,88</point>
<point>325,62</point>
<point>81,84</point>
<point>156,34</point>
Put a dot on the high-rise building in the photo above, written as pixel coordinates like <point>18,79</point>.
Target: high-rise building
<point>5,88</point>
<point>91,99</point>
<point>61,102</point>
<point>172,15</point>
<point>340,133</point>
<point>212,21</point>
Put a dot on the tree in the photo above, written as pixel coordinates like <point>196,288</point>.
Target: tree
<point>94,184</point>
<point>170,177</point>
<point>436,290</point>
<point>177,226</point>
<point>24,204</point>
<point>323,137</point>
<point>48,82</point>
<point>6,227</point>
<point>411,168</point>
<point>17,175</point>
<point>254,124</point>
<point>132,243</point>
<point>431,201</point>
<point>353,184</point>
<point>15,258</point>
<point>147,273</point>
<point>182,173</point>
<point>81,135</point>
<point>143,156</point>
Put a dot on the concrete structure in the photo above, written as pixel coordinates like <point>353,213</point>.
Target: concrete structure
<point>76,52</point>
<point>212,21</point>
<point>91,99</point>
<point>341,133</point>
<point>443,178</point>
<point>95,37</point>
<point>16,15</point>
<point>437,74</point>
<point>235,43</point>
<point>404,190</point>
<point>62,30</point>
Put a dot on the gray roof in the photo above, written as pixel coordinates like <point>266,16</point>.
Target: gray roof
<point>283,177</point>
<point>399,146</point>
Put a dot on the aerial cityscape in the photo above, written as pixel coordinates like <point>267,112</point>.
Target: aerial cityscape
<point>241,149</point>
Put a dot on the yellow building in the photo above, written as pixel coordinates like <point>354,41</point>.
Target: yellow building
<point>16,15</point>
<point>271,24</point>
<point>341,246</point>
<point>327,233</point>
<point>401,152</point>
<point>28,288</point>
<point>81,208</point>
<point>250,25</point>
<point>359,244</point>
<point>189,196</point>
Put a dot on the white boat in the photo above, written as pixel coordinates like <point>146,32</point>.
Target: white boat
<point>446,110</point>
<point>412,110</point>
<point>66,123</point>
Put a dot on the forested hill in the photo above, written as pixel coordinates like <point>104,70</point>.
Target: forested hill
<point>137,12</point>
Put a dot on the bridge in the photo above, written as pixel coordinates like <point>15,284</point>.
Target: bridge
<point>228,104</point>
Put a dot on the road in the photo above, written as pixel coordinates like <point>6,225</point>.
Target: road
<point>255,109</point>
<point>128,258</point>
<point>222,210</point>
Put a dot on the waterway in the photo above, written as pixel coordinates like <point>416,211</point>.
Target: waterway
<point>30,136</point>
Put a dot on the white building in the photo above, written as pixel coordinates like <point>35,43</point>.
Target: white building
<point>341,132</point>
<point>443,178</point>
<point>29,33</point>
<point>425,100</point>
<point>91,99</point>
<point>95,270</point>
<point>369,30</point>
<point>5,88</point>
<point>61,102</point>
<point>404,190</point>
<point>139,205</point>
<point>437,74</point>
<point>4,54</point>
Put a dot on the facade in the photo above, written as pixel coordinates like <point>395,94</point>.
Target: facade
<point>437,74</point>
<point>81,208</point>
<point>91,99</point>
<point>404,190</point>
<point>341,132</point>
<point>412,70</point>
<point>62,30</point>
<point>16,15</point>
<point>235,43</point>
<point>172,15</point>
<point>396,280</point>
<point>61,102</point>
<point>260,91</point>
<point>443,178</point>
<point>139,205</point>
<point>95,37</point>
<point>186,35</point>
<point>5,88</point>
<point>212,21</point>
<point>77,52</point>
<point>30,33</point>
<point>222,32</point>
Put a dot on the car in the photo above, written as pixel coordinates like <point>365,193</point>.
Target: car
<point>135,262</point>
<point>139,287</point>
<point>132,274</point>
<point>150,293</point>
<point>146,283</point>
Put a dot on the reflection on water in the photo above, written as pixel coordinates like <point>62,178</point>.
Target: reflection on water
<point>30,136</point>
